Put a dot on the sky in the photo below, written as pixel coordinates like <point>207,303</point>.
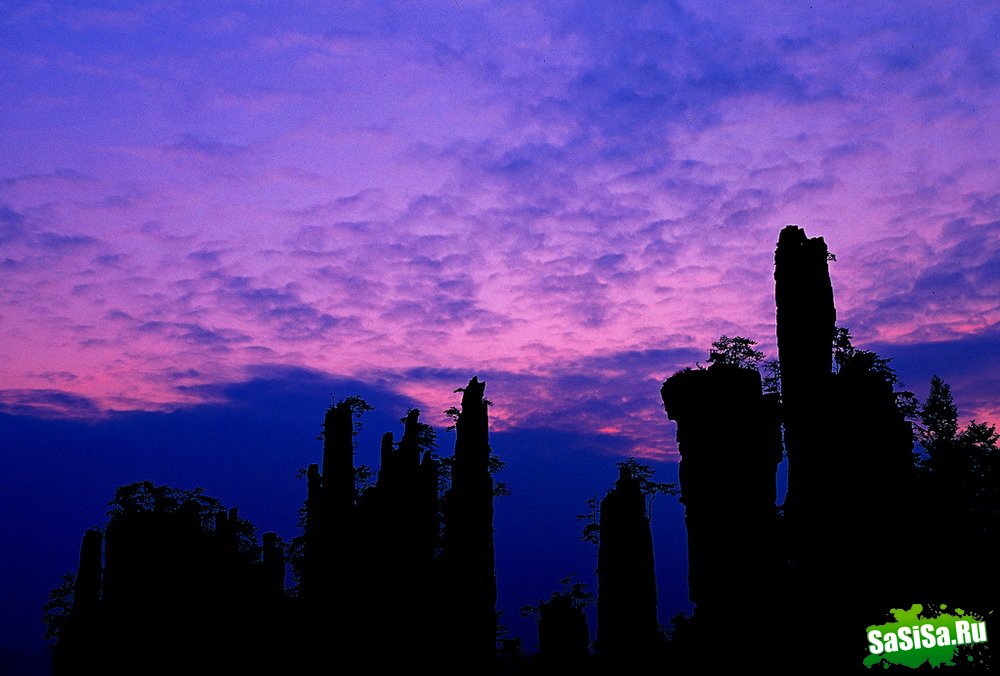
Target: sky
<point>570,200</point>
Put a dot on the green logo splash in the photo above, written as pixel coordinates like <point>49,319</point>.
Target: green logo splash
<point>935,638</point>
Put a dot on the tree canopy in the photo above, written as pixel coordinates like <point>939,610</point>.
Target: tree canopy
<point>736,351</point>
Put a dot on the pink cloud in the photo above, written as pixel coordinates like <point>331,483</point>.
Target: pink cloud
<point>371,190</point>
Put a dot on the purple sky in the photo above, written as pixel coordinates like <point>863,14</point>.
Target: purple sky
<point>213,215</point>
<point>570,199</point>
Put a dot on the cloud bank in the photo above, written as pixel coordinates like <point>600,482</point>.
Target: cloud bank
<point>572,200</point>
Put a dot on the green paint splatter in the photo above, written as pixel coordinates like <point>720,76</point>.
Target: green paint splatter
<point>935,656</point>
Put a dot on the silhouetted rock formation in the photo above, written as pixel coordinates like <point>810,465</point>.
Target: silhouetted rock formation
<point>407,489</point>
<point>81,640</point>
<point>806,322</point>
<point>181,577</point>
<point>873,479</point>
<point>273,567</point>
<point>399,525</point>
<point>401,572</point>
<point>626,583</point>
<point>402,584</point>
<point>729,438</point>
<point>849,453</point>
<point>90,572</point>
<point>179,583</point>
<point>328,568</point>
<point>563,636</point>
<point>468,556</point>
<point>849,459</point>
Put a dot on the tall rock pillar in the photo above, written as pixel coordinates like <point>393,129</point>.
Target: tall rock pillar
<point>626,581</point>
<point>730,445</point>
<point>469,556</point>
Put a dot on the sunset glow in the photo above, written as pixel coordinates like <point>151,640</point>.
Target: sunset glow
<point>500,189</point>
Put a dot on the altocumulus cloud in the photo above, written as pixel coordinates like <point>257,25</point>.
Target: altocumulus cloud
<point>374,190</point>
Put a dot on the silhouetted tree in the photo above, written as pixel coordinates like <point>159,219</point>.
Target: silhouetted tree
<point>58,607</point>
<point>939,416</point>
<point>771,377</point>
<point>592,526</point>
<point>960,481</point>
<point>736,351</point>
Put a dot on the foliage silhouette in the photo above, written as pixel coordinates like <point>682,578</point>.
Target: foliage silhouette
<point>736,351</point>
<point>58,607</point>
